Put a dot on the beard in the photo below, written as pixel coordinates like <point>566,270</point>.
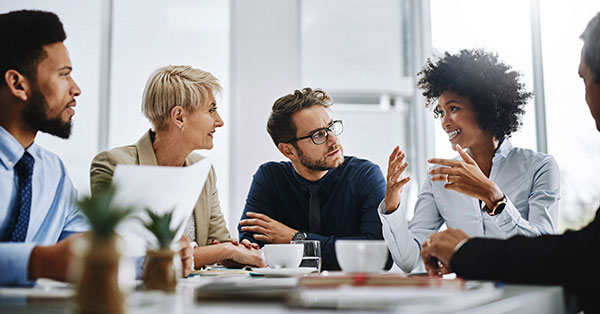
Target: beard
<point>320,164</point>
<point>35,115</point>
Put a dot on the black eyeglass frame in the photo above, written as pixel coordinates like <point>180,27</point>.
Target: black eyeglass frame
<point>327,130</point>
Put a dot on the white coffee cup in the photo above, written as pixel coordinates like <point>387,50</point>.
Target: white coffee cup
<point>283,255</point>
<point>361,256</point>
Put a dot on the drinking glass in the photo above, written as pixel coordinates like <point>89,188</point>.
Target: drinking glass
<point>312,253</point>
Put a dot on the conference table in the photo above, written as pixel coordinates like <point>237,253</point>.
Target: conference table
<point>472,297</point>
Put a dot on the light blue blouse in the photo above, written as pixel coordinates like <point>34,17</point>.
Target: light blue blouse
<point>530,181</point>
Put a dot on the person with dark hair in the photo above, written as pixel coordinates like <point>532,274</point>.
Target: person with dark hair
<point>37,93</point>
<point>319,194</point>
<point>568,259</point>
<point>491,189</point>
<point>39,218</point>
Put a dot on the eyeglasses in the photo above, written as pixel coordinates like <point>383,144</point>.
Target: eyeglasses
<point>321,136</point>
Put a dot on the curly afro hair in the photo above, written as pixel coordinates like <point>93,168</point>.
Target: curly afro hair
<point>492,87</point>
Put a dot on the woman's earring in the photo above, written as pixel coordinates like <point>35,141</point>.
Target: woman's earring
<point>181,128</point>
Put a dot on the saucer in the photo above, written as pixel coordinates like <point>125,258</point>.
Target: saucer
<point>283,272</point>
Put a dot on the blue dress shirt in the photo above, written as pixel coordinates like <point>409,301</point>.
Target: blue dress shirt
<point>349,195</point>
<point>53,216</point>
<point>529,180</point>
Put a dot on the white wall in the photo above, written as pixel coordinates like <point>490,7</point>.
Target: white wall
<point>264,67</point>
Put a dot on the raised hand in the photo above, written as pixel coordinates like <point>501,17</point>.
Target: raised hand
<point>393,190</point>
<point>466,177</point>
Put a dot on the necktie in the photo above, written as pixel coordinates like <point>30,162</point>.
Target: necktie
<point>314,210</point>
<point>24,170</point>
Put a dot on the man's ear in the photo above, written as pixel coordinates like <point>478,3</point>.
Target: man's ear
<point>17,84</point>
<point>177,116</point>
<point>288,150</point>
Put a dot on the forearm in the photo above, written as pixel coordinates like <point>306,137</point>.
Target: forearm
<point>566,259</point>
<point>45,263</point>
<point>210,254</point>
<point>400,241</point>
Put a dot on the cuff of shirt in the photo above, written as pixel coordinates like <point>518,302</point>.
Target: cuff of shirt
<point>508,218</point>
<point>14,263</point>
<point>392,217</point>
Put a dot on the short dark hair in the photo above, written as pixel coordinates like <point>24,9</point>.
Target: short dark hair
<point>494,89</point>
<point>591,46</point>
<point>22,37</point>
<point>280,125</point>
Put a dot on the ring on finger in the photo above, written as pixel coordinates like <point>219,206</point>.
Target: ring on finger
<point>447,178</point>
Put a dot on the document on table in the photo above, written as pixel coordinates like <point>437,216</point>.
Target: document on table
<point>161,189</point>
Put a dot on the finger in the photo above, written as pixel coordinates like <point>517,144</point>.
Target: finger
<point>258,216</point>
<point>261,237</point>
<point>255,229</point>
<point>253,222</point>
<point>455,186</point>
<point>444,162</point>
<point>465,156</point>
<point>215,241</point>
<point>395,174</point>
<point>234,241</point>
<point>400,184</point>
<point>397,161</point>
<point>247,243</point>
<point>445,170</point>
<point>393,154</point>
<point>255,246</point>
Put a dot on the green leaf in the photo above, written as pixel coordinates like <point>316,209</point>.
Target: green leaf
<point>102,215</point>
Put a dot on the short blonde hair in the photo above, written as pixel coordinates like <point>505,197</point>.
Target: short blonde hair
<point>176,85</point>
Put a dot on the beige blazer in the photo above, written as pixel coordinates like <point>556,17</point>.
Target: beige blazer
<point>210,223</point>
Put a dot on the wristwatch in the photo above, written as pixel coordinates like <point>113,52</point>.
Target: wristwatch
<point>299,236</point>
<point>498,207</point>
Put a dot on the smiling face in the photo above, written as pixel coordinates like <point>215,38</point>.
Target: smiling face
<point>311,156</point>
<point>459,120</point>
<point>592,90</point>
<point>52,99</point>
<point>201,125</point>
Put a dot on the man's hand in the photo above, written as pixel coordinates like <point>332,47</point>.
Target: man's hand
<point>437,251</point>
<point>187,256</point>
<point>393,190</point>
<point>466,178</point>
<point>52,261</point>
<point>266,229</point>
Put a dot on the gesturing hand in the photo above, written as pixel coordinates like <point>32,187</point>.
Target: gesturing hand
<point>437,251</point>
<point>466,178</point>
<point>266,229</point>
<point>393,190</point>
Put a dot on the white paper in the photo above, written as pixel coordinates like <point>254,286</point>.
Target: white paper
<point>161,189</point>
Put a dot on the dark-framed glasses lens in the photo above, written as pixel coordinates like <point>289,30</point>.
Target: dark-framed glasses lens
<point>336,128</point>
<point>320,137</point>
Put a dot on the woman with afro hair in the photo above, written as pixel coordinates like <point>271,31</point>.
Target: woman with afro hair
<point>492,189</point>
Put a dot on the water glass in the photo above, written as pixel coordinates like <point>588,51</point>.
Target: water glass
<point>312,253</point>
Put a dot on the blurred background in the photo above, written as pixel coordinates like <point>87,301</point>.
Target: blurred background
<point>365,53</point>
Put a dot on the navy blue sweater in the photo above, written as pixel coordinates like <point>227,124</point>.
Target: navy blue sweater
<point>349,196</point>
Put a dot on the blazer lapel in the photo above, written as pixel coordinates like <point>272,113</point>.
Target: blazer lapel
<point>145,150</point>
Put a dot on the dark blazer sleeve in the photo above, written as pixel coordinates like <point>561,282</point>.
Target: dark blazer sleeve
<point>570,259</point>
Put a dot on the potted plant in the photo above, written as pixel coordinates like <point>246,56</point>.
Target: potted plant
<point>98,288</point>
<point>161,267</point>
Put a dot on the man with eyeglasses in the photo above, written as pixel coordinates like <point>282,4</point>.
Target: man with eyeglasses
<point>319,194</point>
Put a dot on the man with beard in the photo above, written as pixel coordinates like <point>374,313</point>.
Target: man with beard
<point>37,93</point>
<point>319,194</point>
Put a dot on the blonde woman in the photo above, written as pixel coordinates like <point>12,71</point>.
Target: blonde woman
<point>179,102</point>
